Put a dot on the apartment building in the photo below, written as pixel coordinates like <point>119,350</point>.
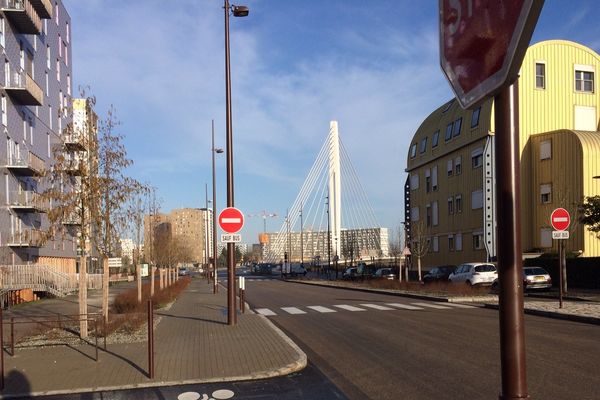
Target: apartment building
<point>191,226</point>
<point>35,38</point>
<point>450,198</point>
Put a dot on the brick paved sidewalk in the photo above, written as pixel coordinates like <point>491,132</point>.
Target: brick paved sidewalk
<point>193,344</point>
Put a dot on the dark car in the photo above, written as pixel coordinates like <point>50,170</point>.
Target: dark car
<point>440,274</point>
<point>536,278</point>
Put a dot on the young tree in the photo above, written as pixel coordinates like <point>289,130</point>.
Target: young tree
<point>589,214</point>
<point>420,243</point>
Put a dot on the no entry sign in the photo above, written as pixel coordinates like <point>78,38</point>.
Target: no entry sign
<point>231,220</point>
<point>560,219</point>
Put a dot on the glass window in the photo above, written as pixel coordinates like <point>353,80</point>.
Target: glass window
<point>451,242</point>
<point>540,76</point>
<point>448,132</point>
<point>450,206</point>
<point>414,214</point>
<point>476,199</point>
<point>435,244</point>
<point>457,126</point>
<point>414,181</point>
<point>477,240</point>
<point>584,81</point>
<point>546,150</point>
<point>413,150</point>
<point>435,213</point>
<point>545,237</point>
<point>449,167</point>
<point>458,242</point>
<point>458,203</point>
<point>477,158</point>
<point>4,115</point>
<point>458,165</point>
<point>423,145</point>
<point>546,193</point>
<point>427,180</point>
<point>435,138</point>
<point>428,214</point>
<point>434,178</point>
<point>475,117</point>
<point>2,43</point>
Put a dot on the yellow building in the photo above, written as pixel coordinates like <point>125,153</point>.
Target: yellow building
<point>450,199</point>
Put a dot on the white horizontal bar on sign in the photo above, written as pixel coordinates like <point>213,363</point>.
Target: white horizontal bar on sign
<point>231,220</point>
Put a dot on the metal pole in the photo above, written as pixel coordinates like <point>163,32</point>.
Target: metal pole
<point>214,213</point>
<point>206,232</point>
<point>301,239</point>
<point>229,152</point>
<point>561,252</point>
<point>150,340</point>
<point>563,269</point>
<point>328,240</point>
<point>12,336</point>
<point>96,336</point>
<point>510,263</point>
<point>1,350</point>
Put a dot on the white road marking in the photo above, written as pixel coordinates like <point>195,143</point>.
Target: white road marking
<point>321,309</point>
<point>377,307</point>
<point>349,308</point>
<point>293,310</point>
<point>265,311</point>
<point>405,306</point>
<point>459,305</point>
<point>430,305</point>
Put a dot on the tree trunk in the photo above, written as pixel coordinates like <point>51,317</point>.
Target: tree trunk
<point>138,277</point>
<point>105,276</point>
<point>419,267</point>
<point>400,270</point>
<point>83,324</point>
<point>152,273</point>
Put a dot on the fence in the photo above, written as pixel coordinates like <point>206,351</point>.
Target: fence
<point>43,278</point>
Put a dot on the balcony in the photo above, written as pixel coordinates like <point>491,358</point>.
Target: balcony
<point>24,89</point>
<point>72,219</point>
<point>74,141</point>
<point>23,16</point>
<point>27,201</point>
<point>43,8</point>
<point>74,167</point>
<point>25,165</point>
<point>25,238</point>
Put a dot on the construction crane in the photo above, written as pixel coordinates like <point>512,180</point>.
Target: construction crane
<point>264,215</point>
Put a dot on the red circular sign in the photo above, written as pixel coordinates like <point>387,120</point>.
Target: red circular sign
<point>231,220</point>
<point>560,219</point>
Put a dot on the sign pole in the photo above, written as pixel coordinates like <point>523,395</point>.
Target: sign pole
<point>561,260</point>
<point>510,263</point>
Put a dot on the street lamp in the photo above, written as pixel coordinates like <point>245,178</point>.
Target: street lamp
<point>237,11</point>
<point>214,213</point>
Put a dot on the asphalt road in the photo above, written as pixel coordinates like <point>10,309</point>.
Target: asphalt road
<point>424,353</point>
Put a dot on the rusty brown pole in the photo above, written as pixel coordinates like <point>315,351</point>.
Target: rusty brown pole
<point>150,340</point>
<point>561,253</point>
<point>1,350</point>
<point>104,333</point>
<point>12,336</point>
<point>96,335</point>
<point>510,262</point>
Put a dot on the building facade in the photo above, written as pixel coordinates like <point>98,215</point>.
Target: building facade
<point>35,98</point>
<point>450,198</point>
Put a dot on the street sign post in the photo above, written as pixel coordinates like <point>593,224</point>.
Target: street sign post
<point>560,220</point>
<point>231,220</point>
<point>482,44</point>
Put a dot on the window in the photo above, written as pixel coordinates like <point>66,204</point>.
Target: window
<point>546,150</point>
<point>68,32</point>
<point>423,145</point>
<point>50,115</point>
<point>48,58</point>
<point>458,165</point>
<point>478,240</point>
<point>31,131</point>
<point>448,132</point>
<point>66,51</point>
<point>451,242</point>
<point>56,12</point>
<point>58,69</point>
<point>435,139</point>
<point>435,244</point>
<point>47,85</point>
<point>24,127</point>
<point>540,75</point>
<point>584,79</point>
<point>457,126</point>
<point>458,203</point>
<point>434,180</point>
<point>458,242</point>
<point>414,181</point>
<point>450,205</point>
<point>476,199</point>
<point>4,115</point>
<point>428,214</point>
<point>68,84</point>
<point>477,157</point>
<point>545,237</point>
<point>435,213</point>
<point>546,193</point>
<point>475,117</point>
<point>427,180</point>
<point>413,150</point>
<point>414,214</point>
<point>48,142</point>
<point>449,167</point>
<point>2,42</point>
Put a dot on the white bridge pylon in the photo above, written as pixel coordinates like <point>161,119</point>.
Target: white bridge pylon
<point>331,210</point>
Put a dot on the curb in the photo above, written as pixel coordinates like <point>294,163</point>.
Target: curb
<point>402,294</point>
<point>555,315</point>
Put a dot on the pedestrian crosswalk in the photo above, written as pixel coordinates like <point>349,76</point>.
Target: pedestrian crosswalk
<point>417,306</point>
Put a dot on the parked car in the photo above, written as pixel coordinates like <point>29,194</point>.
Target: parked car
<point>439,274</point>
<point>184,271</point>
<point>350,273</point>
<point>384,273</point>
<point>297,269</point>
<point>536,278</point>
<point>474,274</point>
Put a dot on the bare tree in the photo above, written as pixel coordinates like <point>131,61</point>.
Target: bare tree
<point>419,243</point>
<point>395,248</point>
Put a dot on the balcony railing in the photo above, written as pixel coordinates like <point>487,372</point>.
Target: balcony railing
<point>23,15</point>
<point>25,165</point>
<point>72,219</point>
<point>73,167</point>
<point>27,201</point>
<point>43,8</point>
<point>24,89</point>
<point>74,141</point>
<point>25,238</point>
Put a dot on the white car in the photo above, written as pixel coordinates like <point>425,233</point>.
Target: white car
<point>474,274</point>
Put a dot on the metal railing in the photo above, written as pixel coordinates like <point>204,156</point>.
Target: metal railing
<point>27,160</point>
<point>44,278</point>
<point>26,238</point>
<point>27,198</point>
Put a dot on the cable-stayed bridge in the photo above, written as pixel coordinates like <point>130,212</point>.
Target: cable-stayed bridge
<point>331,218</point>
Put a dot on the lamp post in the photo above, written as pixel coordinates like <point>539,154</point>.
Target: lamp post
<point>237,11</point>
<point>214,213</point>
<point>206,242</point>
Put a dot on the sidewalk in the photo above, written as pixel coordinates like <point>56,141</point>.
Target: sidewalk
<point>193,344</point>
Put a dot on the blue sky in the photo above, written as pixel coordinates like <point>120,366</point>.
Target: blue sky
<point>371,65</point>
